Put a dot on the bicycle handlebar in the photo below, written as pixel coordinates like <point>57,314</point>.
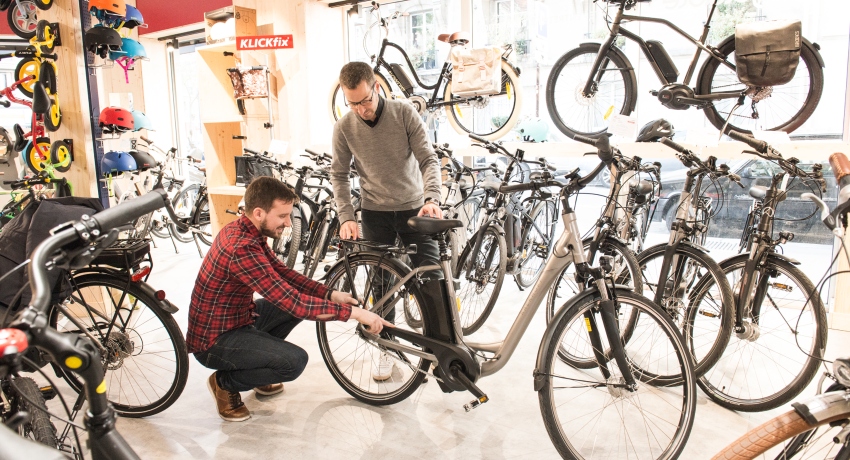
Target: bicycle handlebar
<point>252,152</point>
<point>757,145</point>
<point>146,140</point>
<point>840,167</point>
<point>602,144</point>
<point>6,104</point>
<point>669,143</point>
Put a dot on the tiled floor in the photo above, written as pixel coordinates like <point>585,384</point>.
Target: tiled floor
<point>315,418</point>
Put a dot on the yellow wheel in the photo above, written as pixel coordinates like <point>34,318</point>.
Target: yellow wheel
<point>53,119</point>
<point>60,156</point>
<point>43,4</point>
<point>37,159</point>
<point>27,68</point>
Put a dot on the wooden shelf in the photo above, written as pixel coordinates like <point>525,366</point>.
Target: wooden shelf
<point>230,190</point>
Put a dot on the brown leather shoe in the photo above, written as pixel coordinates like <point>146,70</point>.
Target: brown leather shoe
<point>268,390</point>
<point>230,405</point>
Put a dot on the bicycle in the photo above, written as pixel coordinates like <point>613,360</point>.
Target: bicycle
<point>35,190</point>
<point>597,398</point>
<point>491,116</point>
<point>72,246</point>
<point>582,89</point>
<point>772,306</point>
<point>818,426</point>
<point>22,16</point>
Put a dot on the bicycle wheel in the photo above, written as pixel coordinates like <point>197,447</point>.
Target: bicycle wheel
<point>703,311</point>
<point>782,108</point>
<point>60,156</point>
<point>614,92</point>
<point>39,428</point>
<point>337,102</point>
<point>53,117</point>
<point>286,247</point>
<point>785,341</point>
<point>146,362</point>
<point>201,221</point>
<point>23,19</point>
<point>315,249</point>
<point>350,356</point>
<point>490,117</point>
<point>538,235</point>
<point>27,68</point>
<point>625,270</point>
<point>37,159</point>
<point>183,204</point>
<point>480,276</point>
<point>587,416</point>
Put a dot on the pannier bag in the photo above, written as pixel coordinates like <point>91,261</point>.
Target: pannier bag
<point>476,72</point>
<point>249,82</point>
<point>249,168</point>
<point>767,53</point>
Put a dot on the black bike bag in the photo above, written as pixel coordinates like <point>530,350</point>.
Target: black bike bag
<point>767,52</point>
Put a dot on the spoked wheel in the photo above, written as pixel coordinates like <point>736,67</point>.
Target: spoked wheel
<point>316,248</point>
<point>481,276</point>
<point>286,247</point>
<point>146,362</point>
<point>183,204</point>
<point>588,416</point>
<point>626,271</point>
<point>23,20</point>
<point>614,91</point>
<point>201,222</point>
<point>539,234</point>
<point>490,117</point>
<point>351,357</point>
<point>338,105</point>
<point>775,108</point>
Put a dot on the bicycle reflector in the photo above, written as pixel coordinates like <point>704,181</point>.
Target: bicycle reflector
<point>12,341</point>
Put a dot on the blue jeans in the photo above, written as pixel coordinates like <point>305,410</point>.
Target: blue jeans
<point>258,355</point>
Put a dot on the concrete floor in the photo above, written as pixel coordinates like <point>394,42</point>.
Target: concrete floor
<point>315,418</point>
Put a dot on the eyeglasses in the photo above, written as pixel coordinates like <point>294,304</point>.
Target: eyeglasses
<point>368,100</point>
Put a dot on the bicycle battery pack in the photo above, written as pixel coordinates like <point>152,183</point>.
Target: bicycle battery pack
<point>663,60</point>
<point>402,78</point>
<point>439,323</point>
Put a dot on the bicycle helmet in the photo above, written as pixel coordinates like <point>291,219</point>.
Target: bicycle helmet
<point>144,160</point>
<point>655,130</point>
<point>102,8</point>
<point>102,40</point>
<point>130,49</point>
<point>141,121</point>
<point>133,18</point>
<point>533,130</point>
<point>116,162</point>
<point>116,120</point>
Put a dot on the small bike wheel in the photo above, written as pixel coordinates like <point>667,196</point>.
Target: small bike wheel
<point>697,297</point>
<point>183,204</point>
<point>44,33</point>
<point>626,271</point>
<point>23,18</point>
<point>44,4</point>
<point>201,221</point>
<point>147,363</point>
<point>490,117</point>
<point>53,117</point>
<point>60,156</point>
<point>27,68</point>
<point>37,158</point>
<point>589,416</point>
<point>614,91</point>
<point>39,428</point>
<point>337,105</point>
<point>538,234</point>
<point>47,76</point>
<point>776,108</point>
<point>481,276</point>
<point>784,337</point>
<point>349,355</point>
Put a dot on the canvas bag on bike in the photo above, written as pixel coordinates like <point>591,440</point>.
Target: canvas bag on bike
<point>476,72</point>
<point>249,168</point>
<point>767,52</point>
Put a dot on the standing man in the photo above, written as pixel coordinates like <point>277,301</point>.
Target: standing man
<point>399,172</point>
<point>242,338</point>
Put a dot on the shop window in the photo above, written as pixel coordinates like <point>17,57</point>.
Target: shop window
<point>423,50</point>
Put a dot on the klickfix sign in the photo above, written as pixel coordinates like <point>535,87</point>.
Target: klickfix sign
<point>264,42</point>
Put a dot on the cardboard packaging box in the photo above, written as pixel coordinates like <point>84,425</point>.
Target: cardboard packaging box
<point>217,29</point>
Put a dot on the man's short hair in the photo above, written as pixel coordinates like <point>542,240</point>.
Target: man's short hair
<point>354,73</point>
<point>264,190</point>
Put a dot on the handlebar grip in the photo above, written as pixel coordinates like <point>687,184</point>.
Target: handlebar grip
<point>252,152</point>
<point>585,140</point>
<point>5,104</point>
<point>517,187</point>
<point>130,210</point>
<point>312,152</point>
<point>479,138</point>
<point>148,141</point>
<point>757,145</point>
<point>257,67</point>
<point>840,167</point>
<point>54,57</point>
<point>669,143</point>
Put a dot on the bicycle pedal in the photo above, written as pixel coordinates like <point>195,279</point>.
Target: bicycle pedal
<point>475,403</point>
<point>48,392</point>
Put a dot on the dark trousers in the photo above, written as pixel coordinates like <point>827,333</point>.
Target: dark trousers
<point>384,227</point>
<point>258,355</point>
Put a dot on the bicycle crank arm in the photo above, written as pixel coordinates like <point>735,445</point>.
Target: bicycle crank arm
<point>481,398</point>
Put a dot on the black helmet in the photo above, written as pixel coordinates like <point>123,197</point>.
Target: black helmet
<point>655,130</point>
<point>144,160</point>
<point>101,40</point>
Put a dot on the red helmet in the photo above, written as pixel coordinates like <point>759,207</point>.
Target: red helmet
<point>116,119</point>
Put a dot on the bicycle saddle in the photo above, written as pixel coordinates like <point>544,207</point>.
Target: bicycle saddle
<point>641,187</point>
<point>457,38</point>
<point>40,99</point>
<point>758,191</point>
<point>431,226</point>
<point>20,140</point>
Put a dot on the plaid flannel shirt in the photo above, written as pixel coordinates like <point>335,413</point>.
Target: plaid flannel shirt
<point>239,264</point>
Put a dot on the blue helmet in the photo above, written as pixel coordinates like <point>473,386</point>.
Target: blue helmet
<point>116,162</point>
<point>133,18</point>
<point>141,121</point>
<point>129,48</point>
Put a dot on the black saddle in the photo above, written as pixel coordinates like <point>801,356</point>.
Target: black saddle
<point>20,140</point>
<point>431,226</point>
<point>40,99</point>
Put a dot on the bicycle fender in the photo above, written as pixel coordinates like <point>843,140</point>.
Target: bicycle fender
<point>790,260</point>
<point>164,304</point>
<point>828,406</point>
<point>516,69</point>
<point>699,248</point>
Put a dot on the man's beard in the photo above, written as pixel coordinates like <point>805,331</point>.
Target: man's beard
<point>269,232</point>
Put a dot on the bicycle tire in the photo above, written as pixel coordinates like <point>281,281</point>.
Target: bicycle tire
<point>474,303</point>
<point>31,156</point>
<point>598,405</point>
<point>529,271</point>
<point>183,204</point>
<point>201,221</point>
<point>53,117</point>
<point>511,89</point>
<point>707,340</point>
<point>768,435</point>
<point>718,385</point>
<point>568,90</point>
<point>411,370</point>
<point>564,290</point>
<point>44,4</point>
<point>24,28</point>
<point>336,100</point>
<point>286,247</point>
<point>315,249</point>
<point>727,80</point>
<point>60,156</point>
<point>39,428</point>
<point>164,370</point>
<point>47,76</point>
<point>25,68</point>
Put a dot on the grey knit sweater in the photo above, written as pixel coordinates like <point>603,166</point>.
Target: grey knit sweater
<point>397,165</point>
